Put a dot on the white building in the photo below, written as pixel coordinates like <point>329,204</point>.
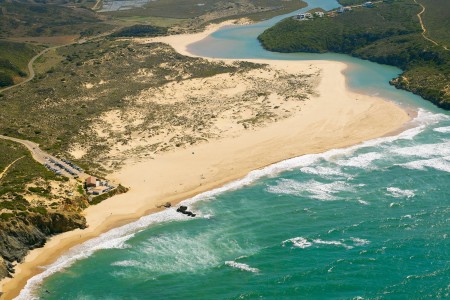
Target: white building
<point>319,14</point>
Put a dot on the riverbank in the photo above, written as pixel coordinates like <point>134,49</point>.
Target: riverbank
<point>334,118</point>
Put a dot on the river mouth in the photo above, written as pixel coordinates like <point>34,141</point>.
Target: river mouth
<point>341,214</point>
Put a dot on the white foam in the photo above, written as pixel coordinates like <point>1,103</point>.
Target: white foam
<point>331,243</point>
<point>441,164</point>
<point>322,171</point>
<point>424,150</point>
<point>360,161</point>
<point>399,193</point>
<point>445,129</point>
<point>363,202</point>
<point>118,236</point>
<point>126,263</point>
<point>179,253</point>
<point>359,242</point>
<point>115,238</point>
<point>311,188</point>
<point>298,242</point>
<point>241,266</point>
<point>301,242</point>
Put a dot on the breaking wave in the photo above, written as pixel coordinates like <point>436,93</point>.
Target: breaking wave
<point>241,266</point>
<point>303,243</point>
<point>116,238</point>
<point>440,163</point>
<point>311,188</point>
<point>399,193</point>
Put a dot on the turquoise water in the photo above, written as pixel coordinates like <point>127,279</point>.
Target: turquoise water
<point>365,222</point>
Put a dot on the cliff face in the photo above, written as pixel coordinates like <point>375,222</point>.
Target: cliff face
<point>29,231</point>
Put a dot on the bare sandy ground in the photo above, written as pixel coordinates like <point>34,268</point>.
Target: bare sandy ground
<point>336,117</point>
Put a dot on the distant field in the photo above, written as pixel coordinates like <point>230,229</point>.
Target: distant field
<point>209,9</point>
<point>46,40</point>
<point>19,19</point>
<point>157,21</point>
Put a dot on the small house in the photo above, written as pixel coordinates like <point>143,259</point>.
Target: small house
<point>319,14</point>
<point>344,9</point>
<point>300,17</point>
<point>308,15</point>
<point>99,190</point>
<point>91,181</point>
<point>368,4</point>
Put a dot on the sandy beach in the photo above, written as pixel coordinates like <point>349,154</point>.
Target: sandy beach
<point>334,117</point>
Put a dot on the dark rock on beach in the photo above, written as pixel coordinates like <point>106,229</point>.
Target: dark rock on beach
<point>183,209</point>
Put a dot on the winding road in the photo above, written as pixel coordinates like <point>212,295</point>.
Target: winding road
<point>424,29</point>
<point>31,72</point>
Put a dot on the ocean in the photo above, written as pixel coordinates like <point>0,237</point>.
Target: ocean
<point>366,222</point>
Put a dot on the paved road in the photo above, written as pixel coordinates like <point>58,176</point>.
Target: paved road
<point>43,157</point>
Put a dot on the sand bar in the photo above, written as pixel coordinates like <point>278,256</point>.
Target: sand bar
<point>335,118</point>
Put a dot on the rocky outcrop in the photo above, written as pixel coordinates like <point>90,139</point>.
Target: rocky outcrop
<point>27,231</point>
<point>3,268</point>
<point>183,209</point>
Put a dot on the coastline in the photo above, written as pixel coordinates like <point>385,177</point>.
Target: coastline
<point>336,118</point>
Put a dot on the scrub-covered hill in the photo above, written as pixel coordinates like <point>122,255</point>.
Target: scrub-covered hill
<point>388,33</point>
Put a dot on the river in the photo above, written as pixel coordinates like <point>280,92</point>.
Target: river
<point>364,222</point>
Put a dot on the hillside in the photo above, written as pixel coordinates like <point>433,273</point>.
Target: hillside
<point>14,58</point>
<point>34,203</point>
<point>436,18</point>
<point>21,19</point>
<point>389,33</point>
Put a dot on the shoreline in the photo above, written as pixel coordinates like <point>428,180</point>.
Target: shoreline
<point>338,118</point>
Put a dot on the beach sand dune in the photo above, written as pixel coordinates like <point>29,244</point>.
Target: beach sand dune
<point>332,118</point>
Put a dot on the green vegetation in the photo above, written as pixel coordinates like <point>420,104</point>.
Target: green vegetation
<point>389,33</point>
<point>190,15</point>
<point>41,19</point>
<point>351,2</point>
<point>23,172</point>
<point>14,59</point>
<point>140,31</point>
<point>436,19</point>
<point>33,204</point>
<point>95,78</point>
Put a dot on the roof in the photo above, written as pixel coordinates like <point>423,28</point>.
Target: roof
<point>99,188</point>
<point>91,180</point>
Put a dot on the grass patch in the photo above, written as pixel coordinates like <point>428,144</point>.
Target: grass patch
<point>23,172</point>
<point>14,58</point>
<point>140,31</point>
